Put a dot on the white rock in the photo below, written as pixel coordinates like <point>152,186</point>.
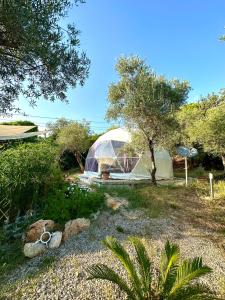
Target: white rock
<point>33,249</point>
<point>55,240</point>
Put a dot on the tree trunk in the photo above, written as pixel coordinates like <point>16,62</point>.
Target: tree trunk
<point>153,170</point>
<point>79,160</point>
<point>223,161</point>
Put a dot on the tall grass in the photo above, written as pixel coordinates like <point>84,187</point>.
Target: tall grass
<point>27,171</point>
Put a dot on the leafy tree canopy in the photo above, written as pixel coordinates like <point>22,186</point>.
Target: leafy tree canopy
<point>204,123</point>
<point>38,58</point>
<point>146,101</point>
<point>55,127</point>
<point>75,138</point>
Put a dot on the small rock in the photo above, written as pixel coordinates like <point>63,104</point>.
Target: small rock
<point>55,240</point>
<point>37,228</point>
<point>115,202</point>
<point>73,227</point>
<point>33,249</point>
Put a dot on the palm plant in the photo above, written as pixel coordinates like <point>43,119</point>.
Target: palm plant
<point>174,278</point>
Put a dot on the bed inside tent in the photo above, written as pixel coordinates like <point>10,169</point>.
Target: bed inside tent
<point>109,152</point>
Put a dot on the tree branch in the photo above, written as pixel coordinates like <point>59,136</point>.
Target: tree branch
<point>17,57</point>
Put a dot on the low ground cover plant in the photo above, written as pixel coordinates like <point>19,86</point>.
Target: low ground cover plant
<point>175,279</point>
<point>10,253</point>
<point>70,202</point>
<point>203,190</point>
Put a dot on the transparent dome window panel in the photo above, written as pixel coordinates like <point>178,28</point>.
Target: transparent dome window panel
<point>104,150</point>
<point>122,148</point>
<point>91,152</point>
<point>116,167</point>
<point>127,163</point>
<point>91,165</point>
<point>118,147</point>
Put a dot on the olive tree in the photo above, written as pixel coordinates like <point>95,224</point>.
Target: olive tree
<point>38,58</point>
<point>75,138</point>
<point>204,123</point>
<point>55,127</point>
<point>147,102</point>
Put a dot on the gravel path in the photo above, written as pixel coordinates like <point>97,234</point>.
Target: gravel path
<point>66,277</point>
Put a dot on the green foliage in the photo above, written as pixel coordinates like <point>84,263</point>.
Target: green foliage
<point>38,58</point>
<point>75,138</point>
<point>11,256</point>
<point>120,229</point>
<point>210,131</point>
<point>67,157</point>
<point>198,172</point>
<point>27,172</point>
<point>175,279</point>
<point>147,102</point>
<point>67,161</point>
<point>203,190</point>
<point>155,200</point>
<point>220,189</point>
<point>71,202</point>
<point>143,99</point>
<point>207,124</point>
<point>55,127</point>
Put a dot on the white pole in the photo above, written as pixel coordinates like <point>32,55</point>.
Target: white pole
<point>186,171</point>
<point>211,185</point>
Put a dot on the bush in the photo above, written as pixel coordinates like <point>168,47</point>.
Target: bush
<point>27,173</point>
<point>71,202</point>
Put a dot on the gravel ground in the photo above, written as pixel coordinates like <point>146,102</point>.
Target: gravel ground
<point>66,277</point>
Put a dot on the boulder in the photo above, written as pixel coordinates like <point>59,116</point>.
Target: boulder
<point>36,229</point>
<point>115,202</point>
<point>112,203</point>
<point>55,240</point>
<point>33,249</point>
<point>73,227</point>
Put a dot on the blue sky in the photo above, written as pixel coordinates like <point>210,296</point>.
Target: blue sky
<point>178,38</point>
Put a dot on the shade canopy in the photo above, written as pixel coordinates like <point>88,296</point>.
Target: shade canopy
<point>109,152</point>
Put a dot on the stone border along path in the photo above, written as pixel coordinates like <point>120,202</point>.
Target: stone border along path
<point>66,278</point>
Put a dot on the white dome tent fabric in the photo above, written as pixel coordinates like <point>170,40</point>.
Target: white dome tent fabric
<point>107,150</point>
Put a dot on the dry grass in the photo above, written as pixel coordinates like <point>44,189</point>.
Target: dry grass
<point>189,205</point>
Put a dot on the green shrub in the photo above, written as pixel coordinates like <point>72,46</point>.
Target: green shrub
<point>27,173</point>
<point>71,202</point>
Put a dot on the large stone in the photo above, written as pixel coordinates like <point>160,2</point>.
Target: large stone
<point>55,240</point>
<point>73,227</point>
<point>115,202</point>
<point>33,249</point>
<point>36,229</point>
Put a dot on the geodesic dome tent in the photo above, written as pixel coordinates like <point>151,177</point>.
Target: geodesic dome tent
<point>108,151</point>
